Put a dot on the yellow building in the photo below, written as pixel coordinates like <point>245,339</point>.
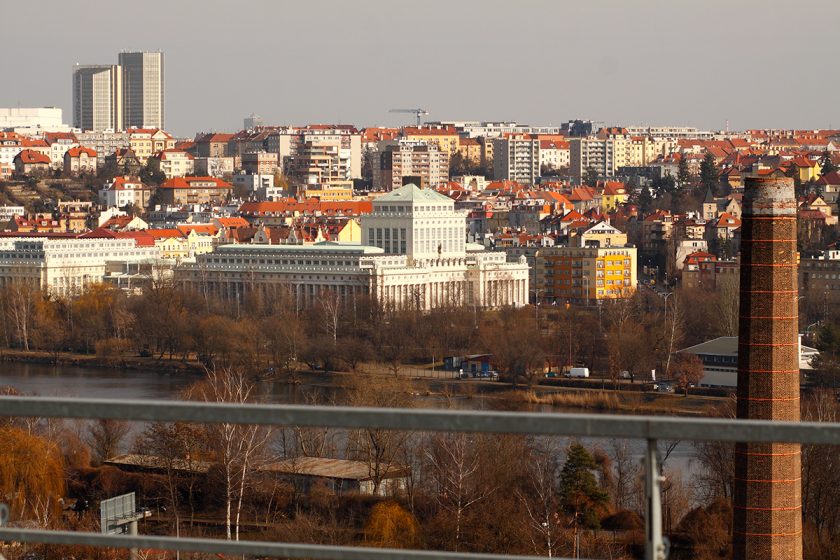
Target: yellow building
<point>335,190</point>
<point>350,233</point>
<point>585,274</point>
<point>615,194</point>
<point>809,170</point>
<point>601,234</point>
<point>470,149</point>
<point>146,142</point>
<point>446,139</point>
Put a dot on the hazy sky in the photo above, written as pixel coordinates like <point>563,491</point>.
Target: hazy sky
<point>756,63</point>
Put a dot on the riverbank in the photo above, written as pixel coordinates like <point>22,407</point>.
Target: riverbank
<point>94,361</point>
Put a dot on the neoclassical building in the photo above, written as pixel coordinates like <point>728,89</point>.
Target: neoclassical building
<point>413,255</point>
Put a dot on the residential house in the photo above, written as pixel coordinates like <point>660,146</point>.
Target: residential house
<point>80,160</point>
<point>30,162</point>
<point>173,163</point>
<point>125,191</point>
<point>614,194</point>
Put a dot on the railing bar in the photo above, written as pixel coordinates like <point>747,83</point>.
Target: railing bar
<point>560,424</point>
<point>255,548</point>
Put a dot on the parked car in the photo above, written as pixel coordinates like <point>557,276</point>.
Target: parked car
<point>552,375</point>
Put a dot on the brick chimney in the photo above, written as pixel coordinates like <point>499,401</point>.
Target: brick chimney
<point>768,498</point>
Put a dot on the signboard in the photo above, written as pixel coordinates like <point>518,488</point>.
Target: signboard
<point>115,514</point>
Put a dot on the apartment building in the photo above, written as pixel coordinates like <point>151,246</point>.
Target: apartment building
<point>105,143</point>
<point>516,158</point>
<point>400,162</point>
<point>585,274</point>
<point>260,162</point>
<point>145,142</point>
<point>554,154</point>
<point>194,190</point>
<point>97,97</point>
<point>143,89</point>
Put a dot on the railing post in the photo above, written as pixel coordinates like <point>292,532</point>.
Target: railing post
<point>654,544</point>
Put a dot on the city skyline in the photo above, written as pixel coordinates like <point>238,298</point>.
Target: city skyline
<point>571,63</point>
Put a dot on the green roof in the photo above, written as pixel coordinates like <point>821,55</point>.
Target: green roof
<point>411,193</point>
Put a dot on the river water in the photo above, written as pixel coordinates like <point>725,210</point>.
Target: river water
<point>67,381</point>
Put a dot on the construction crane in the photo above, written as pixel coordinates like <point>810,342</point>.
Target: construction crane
<point>416,112</point>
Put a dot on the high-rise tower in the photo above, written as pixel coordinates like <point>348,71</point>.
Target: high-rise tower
<point>97,97</point>
<point>143,89</point>
<point>768,500</point>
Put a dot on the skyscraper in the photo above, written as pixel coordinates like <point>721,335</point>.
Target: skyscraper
<point>97,97</point>
<point>768,483</point>
<point>143,89</point>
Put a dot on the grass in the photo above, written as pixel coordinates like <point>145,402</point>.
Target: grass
<point>636,403</point>
<point>596,400</point>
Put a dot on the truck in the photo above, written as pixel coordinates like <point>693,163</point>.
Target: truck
<point>578,372</point>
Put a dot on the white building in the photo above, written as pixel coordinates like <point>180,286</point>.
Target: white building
<point>720,360</point>
<point>554,154</point>
<point>214,166</point>
<point>123,191</point>
<point>669,132</point>
<point>174,163</point>
<point>413,255</point>
<point>27,120</point>
<point>65,266</point>
<point>254,182</point>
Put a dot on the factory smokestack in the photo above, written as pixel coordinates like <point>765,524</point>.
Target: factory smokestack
<point>768,489</point>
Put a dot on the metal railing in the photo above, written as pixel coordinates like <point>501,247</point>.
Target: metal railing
<point>648,428</point>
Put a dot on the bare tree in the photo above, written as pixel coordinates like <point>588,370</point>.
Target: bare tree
<point>454,468</point>
<point>20,309</point>
<point>624,473</point>
<point>542,503</point>
<point>237,447</point>
<point>379,448</point>
<point>105,437</point>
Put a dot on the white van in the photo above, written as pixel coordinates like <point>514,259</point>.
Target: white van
<point>578,372</point>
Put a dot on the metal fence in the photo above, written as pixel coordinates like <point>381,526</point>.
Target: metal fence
<point>648,428</point>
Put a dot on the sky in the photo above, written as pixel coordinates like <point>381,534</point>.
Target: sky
<point>753,63</point>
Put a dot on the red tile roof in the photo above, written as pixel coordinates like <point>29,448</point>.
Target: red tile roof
<point>32,157</point>
<point>79,150</point>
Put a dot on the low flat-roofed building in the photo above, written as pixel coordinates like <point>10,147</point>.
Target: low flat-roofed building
<point>720,360</point>
<point>340,475</point>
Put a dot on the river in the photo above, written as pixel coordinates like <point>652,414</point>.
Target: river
<point>67,381</point>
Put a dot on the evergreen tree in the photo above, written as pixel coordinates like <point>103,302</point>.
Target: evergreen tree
<point>151,175</point>
<point>826,165</point>
<point>645,201</point>
<point>709,173</point>
<point>683,174</point>
<point>579,491</point>
<point>590,177</point>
